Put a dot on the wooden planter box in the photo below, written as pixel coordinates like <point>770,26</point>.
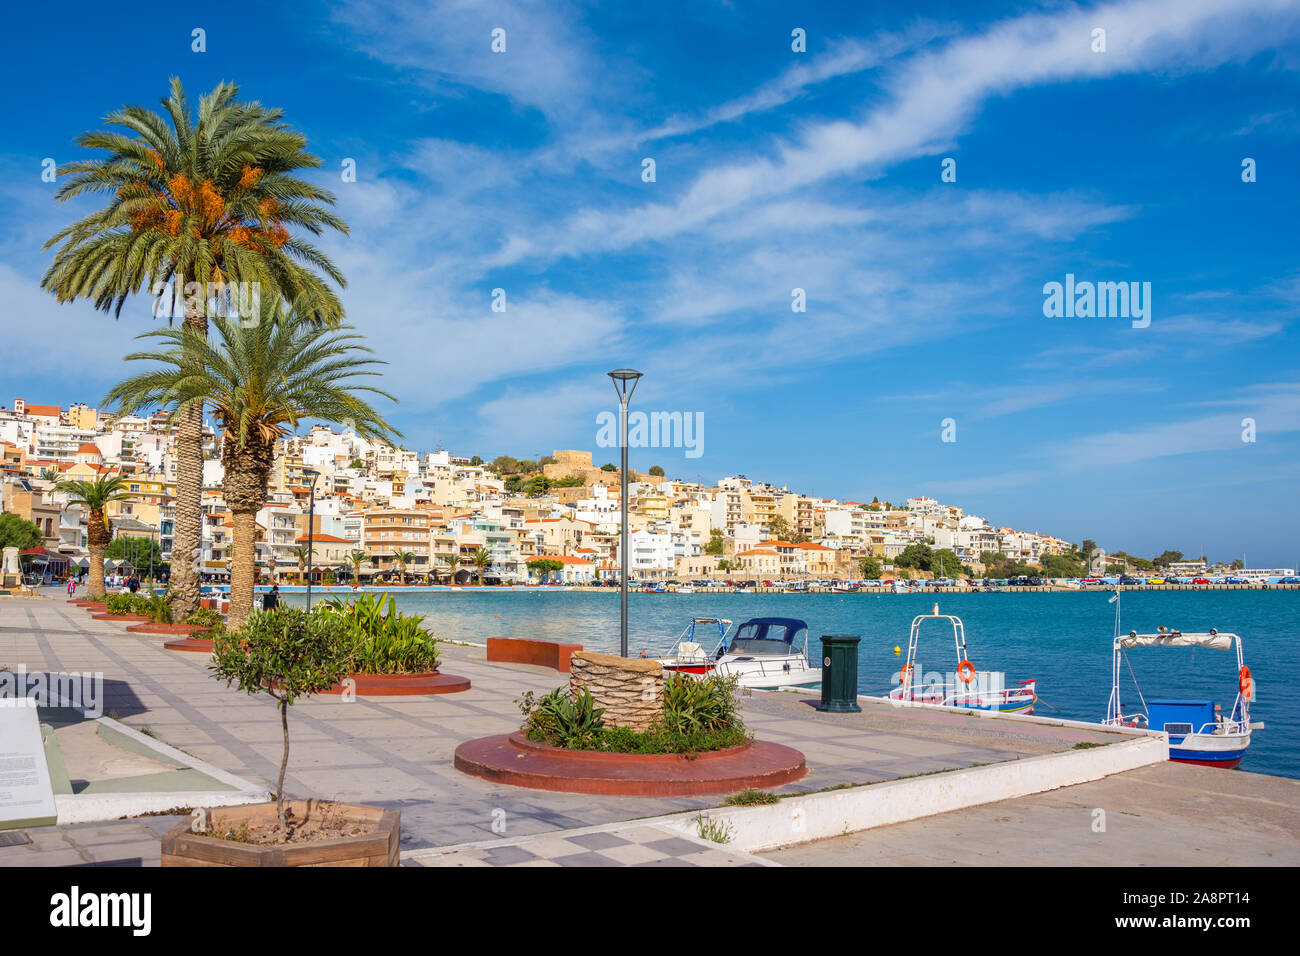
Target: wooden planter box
<point>182,847</point>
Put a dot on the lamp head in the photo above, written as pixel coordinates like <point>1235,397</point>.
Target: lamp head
<point>624,380</point>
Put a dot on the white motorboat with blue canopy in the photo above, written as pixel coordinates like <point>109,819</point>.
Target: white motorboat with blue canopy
<point>1199,732</point>
<point>766,653</point>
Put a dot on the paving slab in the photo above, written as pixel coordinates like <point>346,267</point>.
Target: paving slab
<point>1167,814</point>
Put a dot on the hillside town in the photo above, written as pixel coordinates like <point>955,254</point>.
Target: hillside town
<point>382,513</point>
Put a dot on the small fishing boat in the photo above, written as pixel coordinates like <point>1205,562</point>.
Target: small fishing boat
<point>1198,731</point>
<point>763,653</point>
<point>846,588</point>
<point>967,687</point>
<point>686,588</point>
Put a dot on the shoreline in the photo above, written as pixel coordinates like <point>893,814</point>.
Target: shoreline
<point>335,590</point>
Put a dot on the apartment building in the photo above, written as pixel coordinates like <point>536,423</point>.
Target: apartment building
<point>389,531</point>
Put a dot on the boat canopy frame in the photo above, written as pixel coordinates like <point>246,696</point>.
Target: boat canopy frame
<point>914,636</point>
<point>1238,720</point>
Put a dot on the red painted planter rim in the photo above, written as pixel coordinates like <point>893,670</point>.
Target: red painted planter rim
<point>500,759</point>
<point>404,685</point>
<point>200,645</point>
<point>151,628</point>
<point>520,742</point>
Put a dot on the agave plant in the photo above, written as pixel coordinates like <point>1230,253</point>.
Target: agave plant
<point>695,704</point>
<point>563,720</point>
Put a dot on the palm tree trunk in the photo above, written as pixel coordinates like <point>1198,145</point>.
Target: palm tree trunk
<point>244,489</point>
<point>242,570</point>
<point>187,528</point>
<point>97,540</point>
<point>97,570</point>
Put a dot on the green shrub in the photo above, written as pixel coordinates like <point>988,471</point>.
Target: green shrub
<point>659,739</point>
<point>382,641</point>
<point>559,720</point>
<point>156,607</point>
<point>205,617</point>
<point>121,603</point>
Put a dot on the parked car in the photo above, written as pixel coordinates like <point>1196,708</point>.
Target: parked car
<point>1200,580</point>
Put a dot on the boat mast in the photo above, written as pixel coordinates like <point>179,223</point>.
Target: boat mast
<point>1114,664</point>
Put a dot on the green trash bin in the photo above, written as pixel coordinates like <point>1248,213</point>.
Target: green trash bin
<point>840,674</point>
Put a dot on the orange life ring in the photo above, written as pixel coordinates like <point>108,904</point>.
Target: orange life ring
<point>1246,683</point>
<point>966,671</point>
<point>902,674</point>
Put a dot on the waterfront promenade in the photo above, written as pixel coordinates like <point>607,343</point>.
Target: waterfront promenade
<point>396,752</point>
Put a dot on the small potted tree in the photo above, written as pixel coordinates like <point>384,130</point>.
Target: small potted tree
<point>286,653</point>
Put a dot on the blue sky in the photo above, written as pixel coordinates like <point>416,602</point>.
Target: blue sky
<point>775,170</point>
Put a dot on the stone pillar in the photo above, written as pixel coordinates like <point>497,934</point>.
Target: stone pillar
<point>631,690</point>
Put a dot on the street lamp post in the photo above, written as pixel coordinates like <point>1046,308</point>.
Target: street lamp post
<point>311,521</point>
<point>624,380</point>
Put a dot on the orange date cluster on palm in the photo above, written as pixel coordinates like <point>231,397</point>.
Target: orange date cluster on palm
<point>204,207</point>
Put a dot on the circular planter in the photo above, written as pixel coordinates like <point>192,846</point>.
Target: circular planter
<point>379,847</point>
<point>150,628</point>
<point>514,759</point>
<point>126,618</point>
<point>198,645</point>
<point>403,685</point>
<point>95,607</point>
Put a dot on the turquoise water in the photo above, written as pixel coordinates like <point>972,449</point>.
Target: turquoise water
<point>1064,640</point>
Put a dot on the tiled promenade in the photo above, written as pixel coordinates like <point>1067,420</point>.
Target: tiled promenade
<point>397,752</point>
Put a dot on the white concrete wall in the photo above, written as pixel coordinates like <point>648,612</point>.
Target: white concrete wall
<point>820,815</point>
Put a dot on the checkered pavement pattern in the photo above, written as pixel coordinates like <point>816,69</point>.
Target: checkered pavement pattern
<point>625,846</point>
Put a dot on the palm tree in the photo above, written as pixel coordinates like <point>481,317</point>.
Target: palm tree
<point>482,560</point>
<point>403,558</point>
<point>260,381</point>
<point>300,554</point>
<point>196,208</point>
<point>356,559</point>
<point>453,562</point>
<point>96,495</point>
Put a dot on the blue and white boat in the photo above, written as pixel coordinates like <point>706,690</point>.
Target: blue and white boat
<point>1199,732</point>
<point>967,687</point>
